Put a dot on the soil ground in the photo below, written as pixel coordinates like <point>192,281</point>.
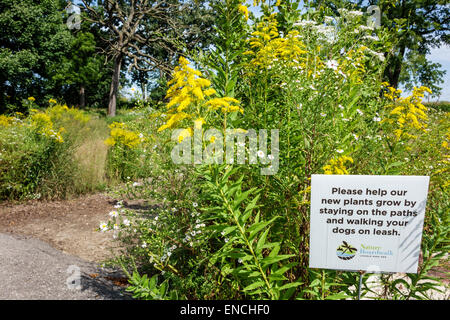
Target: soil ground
<point>67,225</point>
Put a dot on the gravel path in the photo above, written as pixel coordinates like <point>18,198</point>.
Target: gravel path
<point>32,269</point>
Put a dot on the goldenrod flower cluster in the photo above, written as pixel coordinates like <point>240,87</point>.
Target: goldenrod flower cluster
<point>62,112</point>
<point>6,121</point>
<point>353,65</point>
<point>408,113</point>
<point>42,123</point>
<point>337,166</point>
<point>188,93</point>
<point>244,10</point>
<point>121,135</point>
<point>267,46</point>
<point>445,143</point>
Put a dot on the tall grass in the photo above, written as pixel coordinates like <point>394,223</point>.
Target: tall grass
<point>55,153</point>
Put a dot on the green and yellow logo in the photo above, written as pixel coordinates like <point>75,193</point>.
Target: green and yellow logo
<point>346,251</point>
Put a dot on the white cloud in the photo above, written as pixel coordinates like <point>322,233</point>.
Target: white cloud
<point>441,55</point>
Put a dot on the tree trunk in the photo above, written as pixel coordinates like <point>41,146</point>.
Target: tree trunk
<point>114,87</point>
<point>82,97</point>
<point>398,67</point>
<point>144,91</point>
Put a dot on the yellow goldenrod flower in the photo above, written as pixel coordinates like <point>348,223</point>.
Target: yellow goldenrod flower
<point>121,135</point>
<point>337,166</point>
<point>189,93</point>
<point>408,113</point>
<point>244,10</point>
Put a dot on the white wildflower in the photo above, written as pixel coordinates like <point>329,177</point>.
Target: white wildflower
<point>103,227</point>
<point>113,214</point>
<point>332,64</point>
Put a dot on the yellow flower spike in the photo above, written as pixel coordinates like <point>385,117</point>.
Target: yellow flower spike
<point>244,10</point>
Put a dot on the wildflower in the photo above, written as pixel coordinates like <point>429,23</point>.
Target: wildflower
<point>32,99</point>
<point>126,222</point>
<point>260,153</point>
<point>52,101</point>
<point>376,119</point>
<point>360,112</point>
<point>194,204</point>
<point>113,214</point>
<point>339,150</point>
<point>323,114</point>
<point>144,245</point>
<point>244,10</point>
<point>337,166</point>
<point>115,226</point>
<point>332,64</point>
<point>103,227</point>
<point>119,134</point>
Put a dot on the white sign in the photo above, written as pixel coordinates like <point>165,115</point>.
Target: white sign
<point>368,223</point>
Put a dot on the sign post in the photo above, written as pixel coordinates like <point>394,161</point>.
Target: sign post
<point>367,223</point>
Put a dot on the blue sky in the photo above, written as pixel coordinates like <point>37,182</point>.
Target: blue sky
<point>442,56</point>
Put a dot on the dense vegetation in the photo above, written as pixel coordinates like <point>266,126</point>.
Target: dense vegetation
<point>219,229</point>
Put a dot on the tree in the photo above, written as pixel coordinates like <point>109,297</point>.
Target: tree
<point>418,25</point>
<point>127,24</point>
<point>33,38</point>
<point>417,69</point>
<point>81,67</point>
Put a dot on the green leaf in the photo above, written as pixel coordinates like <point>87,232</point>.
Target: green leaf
<point>290,285</point>
<point>254,285</point>
<point>271,260</point>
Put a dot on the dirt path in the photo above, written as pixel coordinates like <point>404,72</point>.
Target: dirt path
<point>67,225</point>
<point>40,241</point>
